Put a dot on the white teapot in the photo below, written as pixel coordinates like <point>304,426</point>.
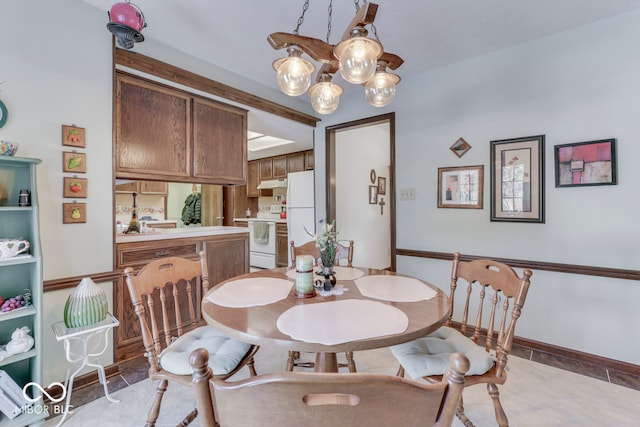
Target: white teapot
<point>21,341</point>
<point>12,247</point>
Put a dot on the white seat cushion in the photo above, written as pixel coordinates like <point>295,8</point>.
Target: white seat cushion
<point>430,355</point>
<point>224,353</point>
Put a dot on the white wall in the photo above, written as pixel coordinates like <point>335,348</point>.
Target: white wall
<point>579,85</point>
<point>358,151</point>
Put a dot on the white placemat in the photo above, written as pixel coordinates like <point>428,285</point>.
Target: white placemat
<point>342,273</point>
<point>336,322</point>
<point>250,292</point>
<point>394,288</point>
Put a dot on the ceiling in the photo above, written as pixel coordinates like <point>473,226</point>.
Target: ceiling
<point>426,33</point>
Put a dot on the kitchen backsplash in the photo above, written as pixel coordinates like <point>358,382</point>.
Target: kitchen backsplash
<point>148,205</point>
<point>265,202</point>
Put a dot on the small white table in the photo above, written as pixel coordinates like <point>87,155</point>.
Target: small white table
<point>86,356</point>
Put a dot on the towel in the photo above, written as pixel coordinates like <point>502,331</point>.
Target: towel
<point>261,232</point>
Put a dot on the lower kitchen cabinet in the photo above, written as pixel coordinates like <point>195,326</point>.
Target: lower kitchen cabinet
<point>227,256</point>
<point>282,245</point>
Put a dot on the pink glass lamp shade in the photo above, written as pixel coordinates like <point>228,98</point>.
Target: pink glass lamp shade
<point>126,22</point>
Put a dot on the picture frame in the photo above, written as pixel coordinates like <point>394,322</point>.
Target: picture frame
<point>74,213</point>
<point>460,147</point>
<point>73,136</point>
<point>584,164</point>
<point>517,179</point>
<point>373,194</point>
<point>461,187</point>
<point>382,185</point>
<point>74,162</point>
<point>75,187</point>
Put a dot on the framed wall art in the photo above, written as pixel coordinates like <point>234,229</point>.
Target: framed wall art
<point>74,162</point>
<point>517,179</point>
<point>73,136</point>
<point>586,163</point>
<point>75,187</point>
<point>461,187</point>
<point>74,213</point>
<point>460,147</point>
<point>373,194</point>
<point>382,185</point>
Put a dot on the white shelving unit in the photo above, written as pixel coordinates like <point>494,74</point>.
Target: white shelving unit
<point>18,274</point>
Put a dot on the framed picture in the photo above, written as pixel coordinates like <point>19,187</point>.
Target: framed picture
<point>73,136</point>
<point>460,147</point>
<point>517,179</point>
<point>461,187</point>
<point>586,163</point>
<point>75,187</point>
<point>74,213</point>
<point>74,162</point>
<point>373,194</point>
<point>382,185</point>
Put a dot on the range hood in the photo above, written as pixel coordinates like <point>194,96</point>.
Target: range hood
<point>273,183</point>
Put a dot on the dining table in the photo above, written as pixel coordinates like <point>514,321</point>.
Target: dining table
<point>366,309</point>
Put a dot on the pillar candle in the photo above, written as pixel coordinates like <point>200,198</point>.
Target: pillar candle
<point>304,275</point>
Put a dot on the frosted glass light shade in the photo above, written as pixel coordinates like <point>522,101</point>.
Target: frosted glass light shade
<point>358,58</point>
<point>293,73</point>
<point>381,88</point>
<point>325,97</point>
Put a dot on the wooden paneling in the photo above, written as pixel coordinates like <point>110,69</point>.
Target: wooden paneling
<point>227,256</point>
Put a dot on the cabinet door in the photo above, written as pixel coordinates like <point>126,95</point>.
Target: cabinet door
<point>308,160</point>
<point>154,187</point>
<point>152,130</point>
<point>295,162</point>
<point>280,167</point>
<point>266,168</point>
<point>282,245</point>
<point>253,179</point>
<point>227,256</point>
<point>220,143</point>
<point>129,187</point>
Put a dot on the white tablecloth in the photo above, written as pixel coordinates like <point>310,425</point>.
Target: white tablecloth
<point>394,288</point>
<point>251,292</point>
<point>336,322</point>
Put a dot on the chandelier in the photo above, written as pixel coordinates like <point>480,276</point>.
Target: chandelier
<point>359,59</point>
<point>126,22</point>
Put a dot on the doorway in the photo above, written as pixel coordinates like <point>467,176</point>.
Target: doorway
<point>360,173</point>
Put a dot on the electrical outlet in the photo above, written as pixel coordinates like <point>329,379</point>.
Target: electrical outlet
<point>408,194</point>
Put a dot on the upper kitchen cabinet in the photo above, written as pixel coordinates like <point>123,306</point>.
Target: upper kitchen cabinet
<point>253,178</point>
<point>266,168</point>
<point>295,162</point>
<point>163,133</point>
<point>280,167</point>
<point>153,130</point>
<point>220,142</point>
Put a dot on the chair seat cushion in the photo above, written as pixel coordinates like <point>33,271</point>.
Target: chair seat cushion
<point>430,355</point>
<point>224,353</point>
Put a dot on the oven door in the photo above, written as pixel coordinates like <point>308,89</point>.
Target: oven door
<point>266,248</point>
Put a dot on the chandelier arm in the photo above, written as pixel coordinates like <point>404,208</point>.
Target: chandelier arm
<point>317,49</point>
<point>365,16</point>
<point>327,68</point>
<point>393,61</point>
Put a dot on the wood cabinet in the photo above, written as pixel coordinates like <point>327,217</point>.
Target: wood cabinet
<point>280,167</point>
<point>144,187</point>
<point>236,203</point>
<point>20,274</point>
<point>167,134</point>
<point>295,162</point>
<point>282,245</point>
<point>266,168</point>
<point>253,178</point>
<point>308,160</point>
<point>241,223</point>
<point>227,256</point>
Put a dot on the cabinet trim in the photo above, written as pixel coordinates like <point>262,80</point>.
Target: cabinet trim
<point>72,281</point>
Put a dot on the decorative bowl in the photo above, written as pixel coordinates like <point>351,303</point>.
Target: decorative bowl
<point>8,148</point>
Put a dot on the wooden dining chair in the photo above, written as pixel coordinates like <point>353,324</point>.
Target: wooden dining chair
<point>342,253</point>
<point>166,297</point>
<point>292,399</point>
<point>484,335</point>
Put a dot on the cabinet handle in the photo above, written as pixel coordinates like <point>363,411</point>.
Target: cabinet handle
<point>204,159</point>
<point>162,253</point>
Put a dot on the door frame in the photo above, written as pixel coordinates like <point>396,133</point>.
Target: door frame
<point>330,173</point>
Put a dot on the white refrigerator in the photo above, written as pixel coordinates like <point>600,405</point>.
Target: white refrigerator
<point>300,207</point>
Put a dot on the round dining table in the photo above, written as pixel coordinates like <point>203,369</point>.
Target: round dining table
<point>376,308</point>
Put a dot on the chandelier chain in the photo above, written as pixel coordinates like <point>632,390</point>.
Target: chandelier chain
<point>301,18</point>
<point>330,10</point>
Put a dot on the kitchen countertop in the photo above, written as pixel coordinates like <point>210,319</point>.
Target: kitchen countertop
<point>278,220</point>
<point>177,233</point>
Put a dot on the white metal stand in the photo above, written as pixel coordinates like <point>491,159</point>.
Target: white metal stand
<point>87,356</point>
